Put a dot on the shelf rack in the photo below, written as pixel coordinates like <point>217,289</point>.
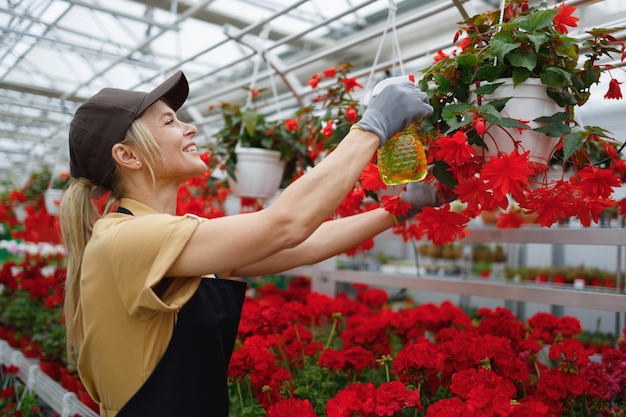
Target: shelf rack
<point>325,280</point>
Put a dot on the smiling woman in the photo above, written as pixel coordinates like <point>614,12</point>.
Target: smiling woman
<point>143,288</point>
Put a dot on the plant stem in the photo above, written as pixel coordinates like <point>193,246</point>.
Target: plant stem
<point>240,394</point>
<point>332,333</point>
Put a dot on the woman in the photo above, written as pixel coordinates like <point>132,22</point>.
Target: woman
<point>151,325</point>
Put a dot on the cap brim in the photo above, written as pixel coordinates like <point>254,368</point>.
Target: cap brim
<point>174,91</point>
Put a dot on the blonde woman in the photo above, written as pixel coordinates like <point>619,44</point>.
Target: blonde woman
<point>150,321</point>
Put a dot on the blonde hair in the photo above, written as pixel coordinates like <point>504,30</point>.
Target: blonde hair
<point>77,216</point>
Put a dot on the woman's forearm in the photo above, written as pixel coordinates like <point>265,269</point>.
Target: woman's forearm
<point>333,237</point>
<point>314,197</point>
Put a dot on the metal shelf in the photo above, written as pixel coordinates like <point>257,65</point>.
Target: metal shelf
<point>539,293</point>
<point>559,235</point>
<point>325,280</point>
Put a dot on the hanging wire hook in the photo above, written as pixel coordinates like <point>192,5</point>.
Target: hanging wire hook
<point>391,23</point>
<point>500,21</point>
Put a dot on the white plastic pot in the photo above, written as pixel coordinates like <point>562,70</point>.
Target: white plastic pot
<point>259,173</point>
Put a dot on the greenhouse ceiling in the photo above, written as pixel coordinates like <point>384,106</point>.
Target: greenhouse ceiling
<point>56,53</point>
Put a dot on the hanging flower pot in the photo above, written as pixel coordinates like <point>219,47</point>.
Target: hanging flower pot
<point>258,171</point>
<point>52,199</point>
<point>529,102</point>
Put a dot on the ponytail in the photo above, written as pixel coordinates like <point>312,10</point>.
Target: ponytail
<point>77,215</point>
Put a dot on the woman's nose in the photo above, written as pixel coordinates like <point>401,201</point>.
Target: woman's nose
<point>190,129</point>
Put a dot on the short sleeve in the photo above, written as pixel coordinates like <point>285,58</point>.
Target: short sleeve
<point>143,249</point>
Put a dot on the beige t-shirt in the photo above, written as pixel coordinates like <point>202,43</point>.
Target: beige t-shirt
<point>129,307</point>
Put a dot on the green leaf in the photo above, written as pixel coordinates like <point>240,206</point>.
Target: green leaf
<point>490,72</point>
<point>538,39</point>
<point>487,88</point>
<point>505,122</point>
<point>497,106</point>
<point>554,129</point>
<point>520,75</point>
<point>502,44</point>
<point>467,60</point>
<point>443,175</point>
<point>452,111</point>
<point>249,120</point>
<point>561,98</point>
<point>535,21</point>
<point>572,142</point>
<point>555,118</point>
<point>525,59</point>
<point>453,115</point>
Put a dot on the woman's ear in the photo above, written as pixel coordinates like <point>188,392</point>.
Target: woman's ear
<point>125,156</point>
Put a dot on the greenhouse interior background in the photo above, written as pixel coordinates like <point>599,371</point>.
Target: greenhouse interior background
<point>54,54</point>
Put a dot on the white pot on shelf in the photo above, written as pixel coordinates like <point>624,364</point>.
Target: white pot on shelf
<point>19,209</point>
<point>259,173</point>
<point>52,198</point>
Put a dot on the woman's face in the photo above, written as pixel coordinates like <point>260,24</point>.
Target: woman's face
<point>175,138</point>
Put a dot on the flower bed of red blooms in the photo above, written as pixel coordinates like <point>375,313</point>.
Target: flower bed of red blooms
<point>301,353</point>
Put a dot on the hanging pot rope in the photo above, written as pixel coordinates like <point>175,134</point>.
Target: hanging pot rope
<point>500,21</point>
<point>391,24</point>
<point>260,57</point>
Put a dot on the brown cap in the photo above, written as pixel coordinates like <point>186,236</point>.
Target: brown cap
<point>103,120</point>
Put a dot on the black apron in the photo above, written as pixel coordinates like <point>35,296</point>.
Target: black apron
<point>191,378</point>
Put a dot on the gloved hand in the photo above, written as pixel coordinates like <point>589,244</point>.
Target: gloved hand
<point>395,104</point>
<point>419,195</point>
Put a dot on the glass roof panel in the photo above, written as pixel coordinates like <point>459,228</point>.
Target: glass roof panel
<point>56,53</point>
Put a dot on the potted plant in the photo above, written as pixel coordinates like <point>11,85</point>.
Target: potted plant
<point>299,140</point>
<point>249,138</point>
<point>54,193</point>
<point>470,89</point>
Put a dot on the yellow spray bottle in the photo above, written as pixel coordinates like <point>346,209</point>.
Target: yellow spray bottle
<point>402,159</point>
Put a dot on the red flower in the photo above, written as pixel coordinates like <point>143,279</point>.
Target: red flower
<point>332,359</point>
<point>552,203</point>
<point>354,400</point>
<point>393,397</point>
<point>508,173</point>
<point>370,178</point>
<point>442,225</point>
<point>440,55</point>
<point>291,407</point>
<point>373,298</point>
<point>329,128</point>
<point>350,84</point>
<point>395,205</point>
<point>510,220</point>
<point>474,192</point>
<point>479,124</point>
<point>291,125</point>
<point>330,72</point>
<point>11,370</point>
<point>598,182</point>
<point>7,393</point>
<point>564,18</point>
<point>614,90</point>
<point>314,81</point>
<point>351,114</point>
<point>454,150</point>
<point>464,43</point>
